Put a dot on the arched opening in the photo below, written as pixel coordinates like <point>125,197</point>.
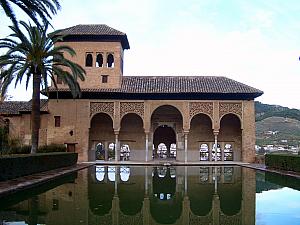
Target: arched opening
<point>201,137</point>
<point>204,152</point>
<point>100,151</point>
<point>166,124</point>
<point>231,133</point>
<point>213,153</point>
<point>101,137</point>
<point>164,137</point>
<point>110,61</point>
<point>228,152</point>
<point>125,152</point>
<point>99,60</point>
<point>132,138</point>
<point>89,60</point>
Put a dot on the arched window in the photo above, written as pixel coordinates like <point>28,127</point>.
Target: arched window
<point>125,152</point>
<point>100,151</point>
<point>228,152</point>
<point>173,151</point>
<point>110,61</point>
<point>204,152</point>
<point>99,60</point>
<point>111,151</point>
<point>89,60</point>
<point>162,150</point>
<point>219,154</point>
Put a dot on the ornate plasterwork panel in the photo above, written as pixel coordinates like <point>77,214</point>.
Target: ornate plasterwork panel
<point>102,107</point>
<point>132,107</point>
<point>201,107</point>
<point>230,107</point>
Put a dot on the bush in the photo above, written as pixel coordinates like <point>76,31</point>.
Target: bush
<point>25,149</point>
<point>52,148</point>
<point>22,165</point>
<point>283,162</point>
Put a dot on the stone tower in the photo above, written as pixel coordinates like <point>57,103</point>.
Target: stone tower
<point>100,51</point>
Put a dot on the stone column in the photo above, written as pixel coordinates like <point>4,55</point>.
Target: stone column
<point>185,145</point>
<point>210,148</point>
<point>216,144</point>
<point>116,145</point>
<point>146,146</point>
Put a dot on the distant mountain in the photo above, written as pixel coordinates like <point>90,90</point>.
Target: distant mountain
<point>264,111</point>
<point>277,125</point>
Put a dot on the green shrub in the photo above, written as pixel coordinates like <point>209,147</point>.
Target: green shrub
<point>283,162</point>
<point>25,149</point>
<point>52,148</point>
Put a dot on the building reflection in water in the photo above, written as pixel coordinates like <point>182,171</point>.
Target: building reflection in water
<point>147,195</point>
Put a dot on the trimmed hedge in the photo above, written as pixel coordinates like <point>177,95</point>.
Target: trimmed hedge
<point>22,165</point>
<point>25,149</point>
<point>283,162</point>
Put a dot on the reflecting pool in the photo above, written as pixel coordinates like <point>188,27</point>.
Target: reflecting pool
<point>158,195</point>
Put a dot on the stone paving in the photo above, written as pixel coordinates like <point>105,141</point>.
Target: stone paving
<point>22,183</point>
<point>263,167</point>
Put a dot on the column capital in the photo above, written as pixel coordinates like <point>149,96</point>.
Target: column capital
<point>186,131</point>
<point>216,132</point>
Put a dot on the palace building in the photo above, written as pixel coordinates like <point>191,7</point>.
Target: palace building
<point>139,118</point>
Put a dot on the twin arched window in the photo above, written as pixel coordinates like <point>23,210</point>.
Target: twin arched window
<point>110,61</point>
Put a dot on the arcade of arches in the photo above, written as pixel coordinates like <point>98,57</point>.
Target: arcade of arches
<point>183,131</point>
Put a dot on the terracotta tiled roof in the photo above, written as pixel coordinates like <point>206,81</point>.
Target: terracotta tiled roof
<point>179,84</point>
<point>90,29</point>
<point>15,107</point>
<point>100,30</point>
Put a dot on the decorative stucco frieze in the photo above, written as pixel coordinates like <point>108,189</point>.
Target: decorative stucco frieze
<point>132,107</point>
<point>200,107</point>
<point>230,107</point>
<point>102,107</point>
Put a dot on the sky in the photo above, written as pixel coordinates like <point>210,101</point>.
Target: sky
<point>254,42</point>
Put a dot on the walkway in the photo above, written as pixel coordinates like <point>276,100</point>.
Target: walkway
<point>26,182</point>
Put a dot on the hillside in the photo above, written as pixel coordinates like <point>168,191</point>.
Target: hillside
<point>277,125</point>
<point>264,111</point>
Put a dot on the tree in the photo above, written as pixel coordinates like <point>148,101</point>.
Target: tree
<point>34,56</point>
<point>35,9</point>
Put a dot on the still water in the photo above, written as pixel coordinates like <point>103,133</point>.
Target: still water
<point>158,195</point>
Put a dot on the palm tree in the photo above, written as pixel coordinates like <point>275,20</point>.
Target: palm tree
<point>33,54</point>
<point>35,9</point>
